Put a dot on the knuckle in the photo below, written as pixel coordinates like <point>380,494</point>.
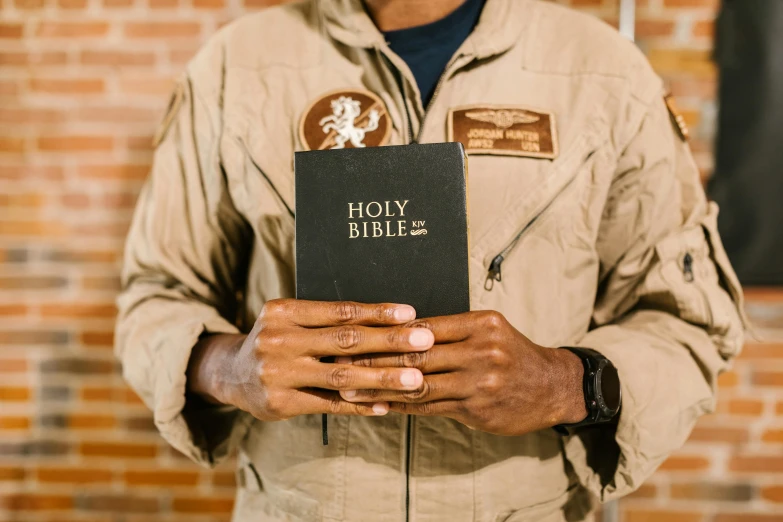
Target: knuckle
<point>276,405</point>
<point>386,379</point>
<point>490,383</point>
<point>346,337</point>
<point>267,375</point>
<point>420,323</point>
<point>496,355</point>
<point>370,394</point>
<point>395,338</point>
<point>346,311</point>
<point>414,360</point>
<point>335,404</point>
<point>339,378</point>
<point>418,395</point>
<point>272,308</point>
<point>493,319</point>
<point>425,408</point>
<point>270,340</point>
<point>382,313</point>
<point>365,362</point>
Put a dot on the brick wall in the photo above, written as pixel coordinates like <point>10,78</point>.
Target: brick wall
<point>82,83</point>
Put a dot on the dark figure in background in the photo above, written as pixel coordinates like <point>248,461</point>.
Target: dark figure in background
<point>748,183</point>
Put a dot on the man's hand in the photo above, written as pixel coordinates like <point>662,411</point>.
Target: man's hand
<point>276,371</point>
<point>485,374</point>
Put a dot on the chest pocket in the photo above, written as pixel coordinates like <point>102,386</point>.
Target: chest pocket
<point>521,205</point>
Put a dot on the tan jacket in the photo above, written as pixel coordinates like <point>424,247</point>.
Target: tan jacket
<point>610,245</point>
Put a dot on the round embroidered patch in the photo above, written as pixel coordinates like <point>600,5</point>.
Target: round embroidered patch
<point>345,119</point>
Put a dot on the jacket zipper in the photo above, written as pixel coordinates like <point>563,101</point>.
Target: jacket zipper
<point>435,93</point>
<point>408,420</point>
<point>412,140</point>
<point>494,272</point>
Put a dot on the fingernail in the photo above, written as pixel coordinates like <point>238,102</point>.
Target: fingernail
<point>404,313</point>
<point>349,394</point>
<point>343,360</point>
<point>421,338</point>
<point>409,378</point>
<point>380,408</point>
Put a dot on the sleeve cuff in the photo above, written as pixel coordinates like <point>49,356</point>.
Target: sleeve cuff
<point>155,364</point>
<point>664,392</point>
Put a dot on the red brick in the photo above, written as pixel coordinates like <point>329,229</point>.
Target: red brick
<point>768,378</point>
<point>91,422</point>
<point>12,474</point>
<point>118,450</point>
<point>29,4</point>
<point>762,351</point>
<point>202,504</point>
<point>78,310</point>
<point>685,463</point>
<point>114,171</point>
<point>772,493</point>
<point>14,422</point>
<point>160,477</point>
<point>13,365</point>
<point>712,433</point>
<point>712,491</point>
<point>757,464</point>
<point>10,310</point>
<point>224,479</point>
<point>117,58</point>
<point>68,86</point>
<point>162,30</point>
<point>27,59</point>
<point>73,475</point>
<point>35,502</point>
<point>57,29</point>
<point>11,144</point>
<point>91,338</point>
<point>71,143</point>
<point>14,394</point>
<point>643,515</point>
<point>11,30</point>
<point>745,407</point>
<point>747,517</point>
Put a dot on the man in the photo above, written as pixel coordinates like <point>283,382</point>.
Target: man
<point>588,229</point>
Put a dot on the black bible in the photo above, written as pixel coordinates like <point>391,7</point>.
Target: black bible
<point>384,224</point>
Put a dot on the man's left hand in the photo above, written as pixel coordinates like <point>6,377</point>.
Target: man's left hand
<point>484,373</point>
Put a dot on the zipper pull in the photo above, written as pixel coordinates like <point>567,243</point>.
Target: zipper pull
<point>494,273</point>
<point>687,267</point>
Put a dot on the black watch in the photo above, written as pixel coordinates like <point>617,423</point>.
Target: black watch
<point>601,385</point>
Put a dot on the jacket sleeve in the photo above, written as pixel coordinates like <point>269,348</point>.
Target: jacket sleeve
<point>183,259</point>
<point>668,313</point>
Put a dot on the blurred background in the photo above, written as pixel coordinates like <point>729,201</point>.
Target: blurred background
<point>83,84</point>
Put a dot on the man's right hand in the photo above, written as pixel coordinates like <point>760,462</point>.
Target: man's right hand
<point>276,372</point>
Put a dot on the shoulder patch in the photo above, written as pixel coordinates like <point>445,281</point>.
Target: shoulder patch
<point>677,118</point>
<point>175,103</point>
<point>504,130</point>
<point>345,119</point>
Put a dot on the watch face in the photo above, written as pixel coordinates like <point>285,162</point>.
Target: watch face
<point>610,387</point>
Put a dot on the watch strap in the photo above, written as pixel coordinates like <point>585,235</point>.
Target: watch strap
<point>591,362</point>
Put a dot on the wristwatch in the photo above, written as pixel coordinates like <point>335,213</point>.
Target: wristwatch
<point>601,385</point>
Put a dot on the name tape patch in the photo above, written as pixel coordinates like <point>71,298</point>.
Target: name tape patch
<point>345,119</point>
<point>504,130</point>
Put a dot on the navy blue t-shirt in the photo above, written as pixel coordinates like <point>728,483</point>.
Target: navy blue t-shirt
<point>428,48</point>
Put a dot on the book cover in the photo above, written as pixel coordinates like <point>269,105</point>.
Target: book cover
<point>384,224</point>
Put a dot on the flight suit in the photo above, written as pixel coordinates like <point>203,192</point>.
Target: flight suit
<point>606,238</point>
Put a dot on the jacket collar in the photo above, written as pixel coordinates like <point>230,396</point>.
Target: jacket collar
<point>499,27</point>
